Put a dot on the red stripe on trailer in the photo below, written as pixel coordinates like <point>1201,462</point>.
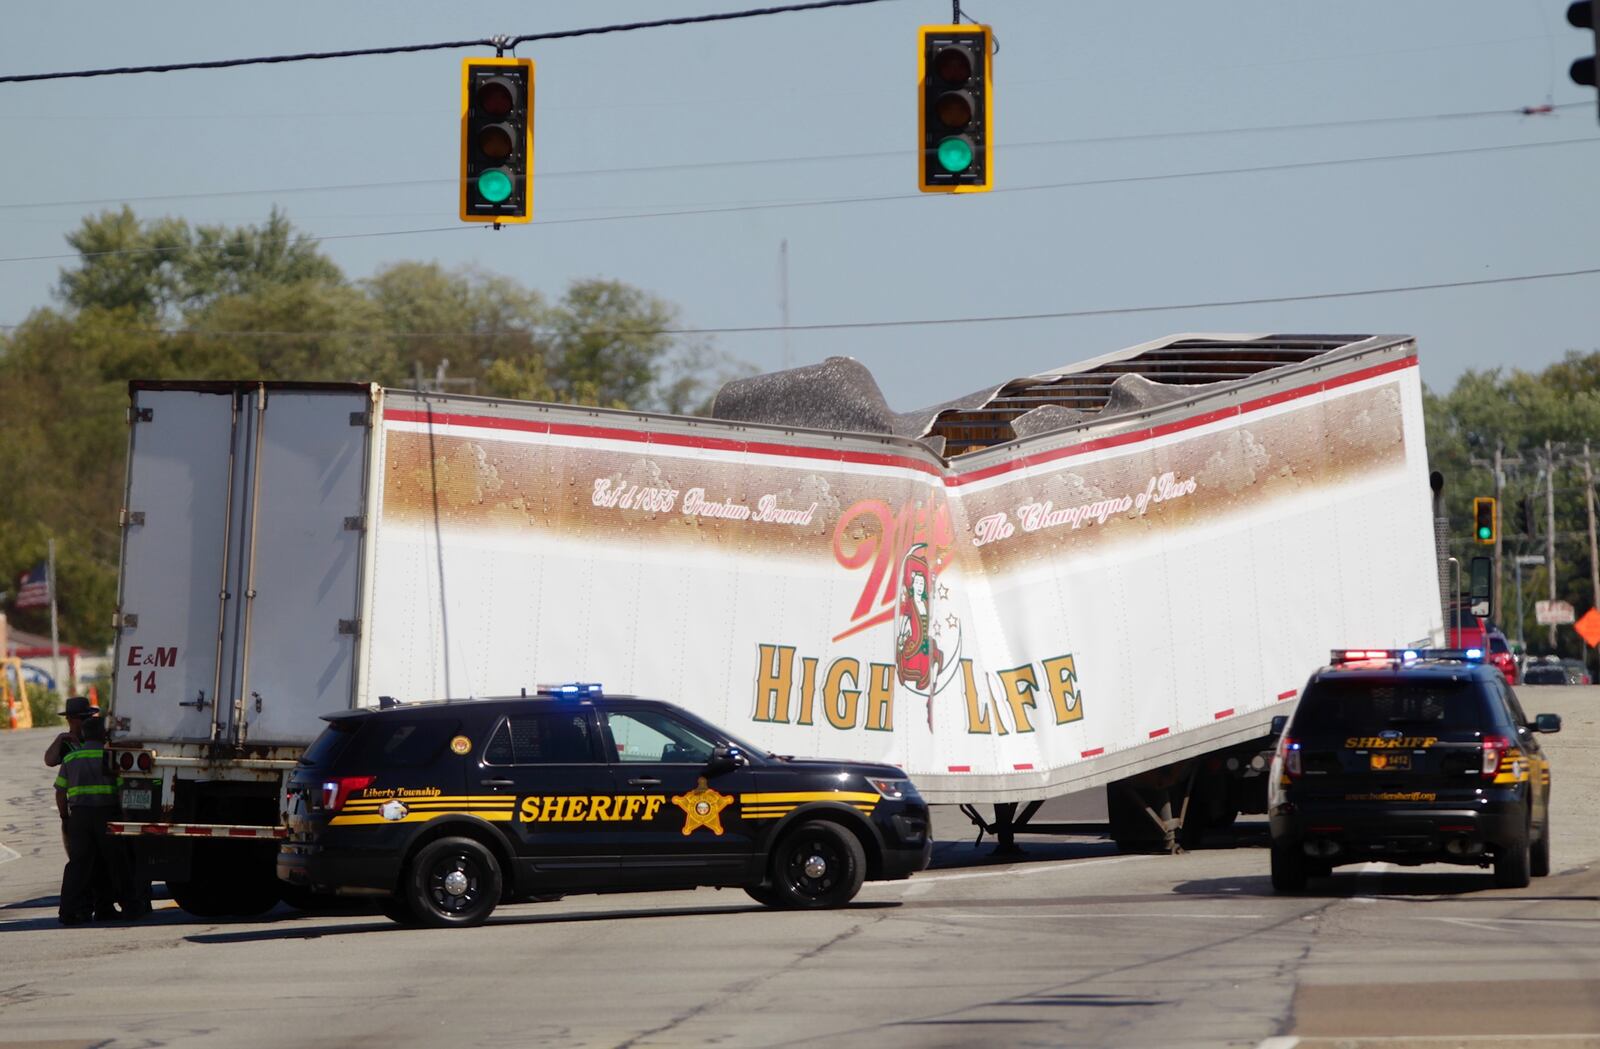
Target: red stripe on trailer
<point>960,768</point>
<point>1293,692</point>
<point>192,830</point>
<point>1159,732</point>
<point>1095,753</point>
<point>1026,766</point>
<point>1219,715</point>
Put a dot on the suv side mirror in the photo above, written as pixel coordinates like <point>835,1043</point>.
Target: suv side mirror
<point>1547,723</point>
<point>725,759</point>
<point>1279,723</point>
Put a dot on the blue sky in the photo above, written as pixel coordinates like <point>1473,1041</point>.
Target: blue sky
<point>791,118</point>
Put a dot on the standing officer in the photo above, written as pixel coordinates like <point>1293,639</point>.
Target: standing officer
<point>78,708</point>
<point>91,851</point>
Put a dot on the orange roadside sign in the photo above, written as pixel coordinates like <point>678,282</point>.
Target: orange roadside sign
<point>1588,627</point>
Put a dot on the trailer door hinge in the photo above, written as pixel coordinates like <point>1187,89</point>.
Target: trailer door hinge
<point>140,415</point>
<point>349,626</point>
<point>360,418</point>
<point>358,523</point>
<point>126,517</point>
<point>124,620</point>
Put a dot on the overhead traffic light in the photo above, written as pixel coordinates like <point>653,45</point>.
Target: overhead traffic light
<point>1483,519</point>
<point>955,109</point>
<point>1585,14</point>
<point>496,139</point>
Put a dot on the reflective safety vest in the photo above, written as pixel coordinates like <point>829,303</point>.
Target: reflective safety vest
<point>61,777</point>
<point>88,782</point>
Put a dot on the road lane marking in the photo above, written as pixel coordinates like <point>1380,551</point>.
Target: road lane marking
<point>1160,915</point>
<point>7,854</point>
<point>1015,870</point>
<point>1281,1041</point>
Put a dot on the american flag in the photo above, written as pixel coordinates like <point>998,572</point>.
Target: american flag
<point>33,587</point>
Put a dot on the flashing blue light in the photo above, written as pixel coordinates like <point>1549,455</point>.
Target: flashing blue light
<point>574,688</point>
<point>1474,653</point>
<point>1408,655</point>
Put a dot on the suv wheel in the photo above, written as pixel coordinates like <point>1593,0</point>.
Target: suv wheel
<point>818,865</point>
<point>1513,864</point>
<point>1540,865</point>
<point>452,882</point>
<point>1288,867</point>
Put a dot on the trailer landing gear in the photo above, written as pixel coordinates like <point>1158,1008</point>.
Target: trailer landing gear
<point>1005,826</point>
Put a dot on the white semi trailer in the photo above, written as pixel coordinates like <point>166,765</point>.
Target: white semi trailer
<point>1115,573</point>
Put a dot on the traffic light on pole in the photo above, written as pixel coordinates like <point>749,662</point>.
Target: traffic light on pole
<point>496,139</point>
<point>1483,519</point>
<point>955,109</point>
<point>1585,14</point>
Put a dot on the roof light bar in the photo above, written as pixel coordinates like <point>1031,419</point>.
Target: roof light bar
<point>1404,655</point>
<point>572,688</point>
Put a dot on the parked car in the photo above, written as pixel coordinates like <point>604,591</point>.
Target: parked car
<point>1546,674</point>
<point>1577,672</point>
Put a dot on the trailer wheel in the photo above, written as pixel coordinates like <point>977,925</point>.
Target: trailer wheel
<point>199,899</point>
<point>453,882</point>
<point>818,865</point>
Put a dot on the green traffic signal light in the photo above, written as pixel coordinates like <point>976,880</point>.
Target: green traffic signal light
<point>494,186</point>
<point>1485,533</point>
<point>955,155</point>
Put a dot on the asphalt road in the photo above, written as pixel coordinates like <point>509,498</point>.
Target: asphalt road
<point>1075,946</point>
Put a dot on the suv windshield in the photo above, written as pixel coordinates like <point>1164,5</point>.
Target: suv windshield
<point>1354,703</point>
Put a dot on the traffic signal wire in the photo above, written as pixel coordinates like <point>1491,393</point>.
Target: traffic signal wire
<point>495,42</point>
<point>875,155</point>
<point>1109,311</point>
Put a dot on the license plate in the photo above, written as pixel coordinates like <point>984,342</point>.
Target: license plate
<point>1391,762</point>
<point>136,798</point>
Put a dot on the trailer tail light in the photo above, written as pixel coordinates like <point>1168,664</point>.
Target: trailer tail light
<point>336,791</point>
<point>129,760</point>
<point>1494,749</point>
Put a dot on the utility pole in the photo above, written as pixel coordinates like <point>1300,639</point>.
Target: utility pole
<point>1594,548</point>
<point>1499,501</point>
<point>1550,528</point>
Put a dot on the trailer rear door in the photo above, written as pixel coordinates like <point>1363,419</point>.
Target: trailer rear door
<point>241,563</point>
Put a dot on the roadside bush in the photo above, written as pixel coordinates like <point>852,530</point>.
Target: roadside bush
<point>45,705</point>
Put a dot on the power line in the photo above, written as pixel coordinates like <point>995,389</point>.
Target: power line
<point>829,201</point>
<point>495,42</point>
<point>811,158</point>
<point>1108,311</point>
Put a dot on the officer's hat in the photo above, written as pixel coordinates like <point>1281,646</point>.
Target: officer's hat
<point>80,707</point>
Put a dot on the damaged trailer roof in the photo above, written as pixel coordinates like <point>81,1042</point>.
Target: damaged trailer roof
<point>841,394</point>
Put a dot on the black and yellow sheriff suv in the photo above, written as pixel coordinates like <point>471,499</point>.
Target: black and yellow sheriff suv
<point>1410,757</point>
<point>445,809</point>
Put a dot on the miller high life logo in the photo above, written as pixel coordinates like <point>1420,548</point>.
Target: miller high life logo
<point>902,559</point>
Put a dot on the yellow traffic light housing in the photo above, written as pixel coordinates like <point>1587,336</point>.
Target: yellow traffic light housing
<point>496,140</point>
<point>955,109</point>
<point>1484,519</point>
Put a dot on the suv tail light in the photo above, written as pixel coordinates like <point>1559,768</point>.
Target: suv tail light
<point>1289,752</point>
<point>336,791</point>
<point>1494,748</point>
